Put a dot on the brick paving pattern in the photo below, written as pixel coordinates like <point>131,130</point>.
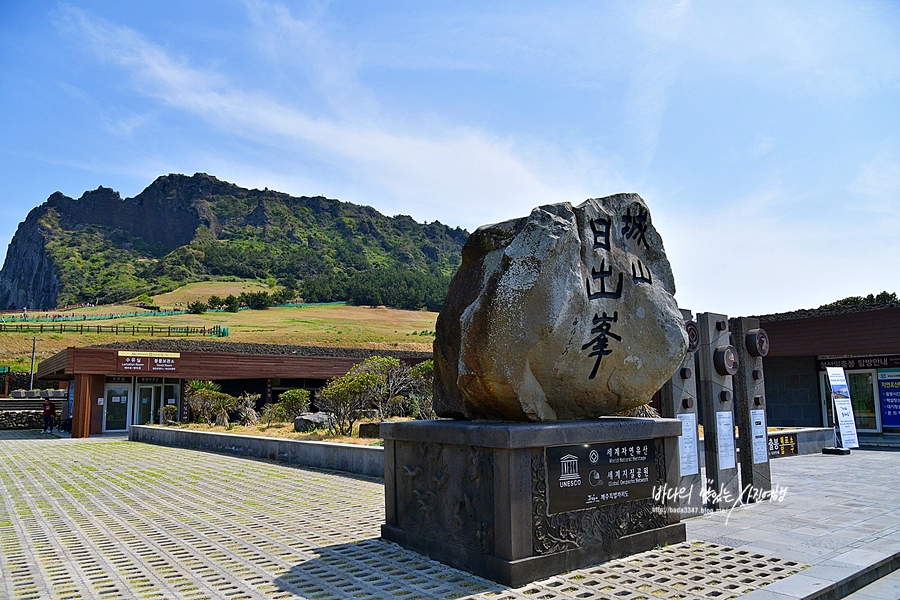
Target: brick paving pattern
<point>103,518</point>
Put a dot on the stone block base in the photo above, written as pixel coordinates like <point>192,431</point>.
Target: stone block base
<point>516,502</point>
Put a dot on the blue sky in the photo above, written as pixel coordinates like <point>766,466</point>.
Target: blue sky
<point>764,136</point>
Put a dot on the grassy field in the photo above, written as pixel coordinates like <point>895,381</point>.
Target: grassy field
<point>193,292</point>
<point>315,325</point>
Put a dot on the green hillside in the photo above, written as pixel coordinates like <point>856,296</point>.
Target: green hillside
<point>103,249</point>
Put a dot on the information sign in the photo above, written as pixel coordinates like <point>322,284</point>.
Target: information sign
<point>687,444</point>
<point>725,439</point>
<point>758,427</point>
<point>586,475</point>
<point>889,394</point>
<point>844,425</point>
<point>783,445</point>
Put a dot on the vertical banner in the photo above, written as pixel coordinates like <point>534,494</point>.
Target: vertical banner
<point>889,393</point>
<point>844,425</point>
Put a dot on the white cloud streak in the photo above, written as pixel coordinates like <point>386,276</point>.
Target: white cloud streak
<point>451,173</point>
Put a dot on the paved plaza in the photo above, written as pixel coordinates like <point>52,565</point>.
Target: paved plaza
<point>108,518</point>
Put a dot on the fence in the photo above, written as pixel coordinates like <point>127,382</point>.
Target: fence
<point>60,317</point>
<point>151,330</point>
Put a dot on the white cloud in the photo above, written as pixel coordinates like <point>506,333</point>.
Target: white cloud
<point>457,174</point>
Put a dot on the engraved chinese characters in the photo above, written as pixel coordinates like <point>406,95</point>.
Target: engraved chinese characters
<point>565,314</point>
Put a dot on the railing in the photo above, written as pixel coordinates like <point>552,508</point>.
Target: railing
<point>151,330</point>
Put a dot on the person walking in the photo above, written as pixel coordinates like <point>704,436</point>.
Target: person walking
<point>49,410</point>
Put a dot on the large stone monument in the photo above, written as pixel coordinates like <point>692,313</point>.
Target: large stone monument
<point>553,323</point>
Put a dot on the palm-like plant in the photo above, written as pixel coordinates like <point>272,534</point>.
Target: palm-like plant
<point>200,396</point>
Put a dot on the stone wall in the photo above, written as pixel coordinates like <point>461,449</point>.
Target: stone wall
<point>792,391</point>
<point>18,380</point>
<point>21,419</point>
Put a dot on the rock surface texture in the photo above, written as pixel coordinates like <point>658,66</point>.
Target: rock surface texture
<point>565,314</point>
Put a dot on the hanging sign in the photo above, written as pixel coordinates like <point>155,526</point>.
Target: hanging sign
<point>844,424</point>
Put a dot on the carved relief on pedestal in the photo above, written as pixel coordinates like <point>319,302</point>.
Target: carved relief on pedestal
<point>445,493</point>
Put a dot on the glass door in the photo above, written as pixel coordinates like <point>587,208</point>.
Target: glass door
<point>115,407</point>
<point>148,404</point>
<point>864,399</point>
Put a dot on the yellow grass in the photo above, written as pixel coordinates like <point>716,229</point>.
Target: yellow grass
<point>285,430</point>
<point>193,292</point>
<point>316,325</point>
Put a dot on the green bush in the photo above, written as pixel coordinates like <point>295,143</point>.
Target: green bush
<point>273,413</point>
<point>169,414</point>
<point>295,402</point>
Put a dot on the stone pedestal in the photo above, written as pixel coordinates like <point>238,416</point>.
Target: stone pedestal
<point>516,502</point>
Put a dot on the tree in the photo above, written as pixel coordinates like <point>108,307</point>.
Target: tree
<point>345,396</point>
<point>421,400</point>
<point>231,303</point>
<point>215,302</point>
<point>196,308</point>
<point>200,396</point>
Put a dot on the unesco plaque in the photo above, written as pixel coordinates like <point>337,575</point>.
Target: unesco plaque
<point>587,475</point>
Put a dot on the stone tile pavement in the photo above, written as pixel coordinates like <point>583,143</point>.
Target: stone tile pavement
<point>839,514</point>
<point>107,518</point>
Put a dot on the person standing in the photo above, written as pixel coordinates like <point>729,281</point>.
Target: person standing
<point>49,410</point>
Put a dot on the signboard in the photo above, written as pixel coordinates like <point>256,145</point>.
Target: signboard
<point>844,426</point>
<point>586,475</point>
<point>4,369</point>
<point>853,363</point>
<point>889,393</point>
<point>132,363</point>
<point>163,364</point>
<point>783,445</point>
<point>687,444</point>
<point>155,362</point>
<point>725,439</point>
<point>760,442</point>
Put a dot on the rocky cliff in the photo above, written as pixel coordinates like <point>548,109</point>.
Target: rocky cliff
<point>181,228</point>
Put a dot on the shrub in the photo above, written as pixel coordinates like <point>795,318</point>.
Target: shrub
<point>246,409</point>
<point>215,302</point>
<point>221,404</point>
<point>295,402</point>
<point>169,414</point>
<point>273,413</point>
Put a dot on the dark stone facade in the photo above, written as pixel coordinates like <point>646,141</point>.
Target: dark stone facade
<point>475,496</point>
<point>792,391</point>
